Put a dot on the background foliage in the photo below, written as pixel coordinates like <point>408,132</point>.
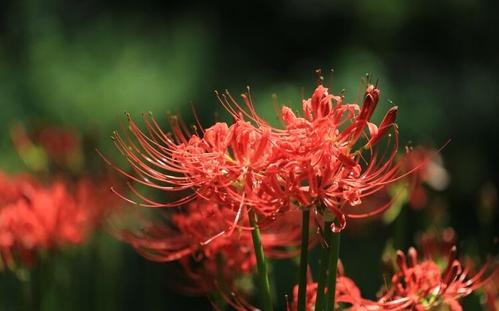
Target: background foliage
<point>83,63</point>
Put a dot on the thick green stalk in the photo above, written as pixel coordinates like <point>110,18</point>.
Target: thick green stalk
<point>323,265</point>
<point>263,275</point>
<point>334,250</point>
<point>302,285</point>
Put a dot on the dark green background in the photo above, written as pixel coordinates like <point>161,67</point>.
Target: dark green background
<point>83,63</point>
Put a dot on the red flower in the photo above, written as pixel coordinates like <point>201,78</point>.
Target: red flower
<point>329,156</point>
<point>200,230</point>
<point>225,164</point>
<point>196,237</point>
<point>418,285</point>
<point>34,217</point>
<point>421,285</point>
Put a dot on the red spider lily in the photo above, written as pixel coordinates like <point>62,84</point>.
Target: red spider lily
<point>226,164</point>
<point>212,260</point>
<point>330,156</point>
<point>35,218</point>
<point>327,158</point>
<point>199,230</point>
<point>319,157</point>
<point>422,285</point>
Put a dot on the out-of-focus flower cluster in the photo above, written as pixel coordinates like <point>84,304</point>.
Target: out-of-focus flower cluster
<point>35,217</point>
<point>211,260</point>
<point>44,210</point>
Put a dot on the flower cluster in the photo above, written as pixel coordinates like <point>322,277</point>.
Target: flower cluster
<point>328,158</point>
<point>199,230</point>
<point>229,181</point>
<point>423,285</point>
<point>212,261</point>
<point>35,217</point>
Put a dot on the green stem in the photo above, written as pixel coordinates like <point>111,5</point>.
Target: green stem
<point>323,264</point>
<point>263,275</point>
<point>302,285</point>
<point>334,250</point>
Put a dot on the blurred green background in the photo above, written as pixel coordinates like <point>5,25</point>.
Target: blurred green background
<point>83,63</point>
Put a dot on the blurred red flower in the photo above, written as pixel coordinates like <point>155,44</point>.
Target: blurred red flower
<point>34,217</point>
<point>212,260</point>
